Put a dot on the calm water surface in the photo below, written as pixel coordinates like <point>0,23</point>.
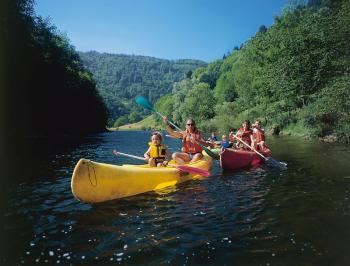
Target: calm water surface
<point>261,216</point>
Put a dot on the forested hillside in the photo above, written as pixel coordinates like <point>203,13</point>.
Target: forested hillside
<point>122,77</point>
<point>294,76</point>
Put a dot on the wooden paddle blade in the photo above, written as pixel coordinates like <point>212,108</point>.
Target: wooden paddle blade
<point>192,170</point>
<point>144,102</point>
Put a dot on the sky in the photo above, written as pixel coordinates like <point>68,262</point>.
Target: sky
<point>168,29</point>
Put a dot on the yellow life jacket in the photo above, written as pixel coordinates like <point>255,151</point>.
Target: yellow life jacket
<point>157,151</point>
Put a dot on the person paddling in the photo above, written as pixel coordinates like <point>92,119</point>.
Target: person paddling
<point>246,134</point>
<point>191,151</point>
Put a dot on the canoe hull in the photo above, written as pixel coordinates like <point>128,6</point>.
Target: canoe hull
<point>97,182</point>
<point>231,159</point>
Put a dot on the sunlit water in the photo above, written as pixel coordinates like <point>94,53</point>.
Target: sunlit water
<point>261,216</point>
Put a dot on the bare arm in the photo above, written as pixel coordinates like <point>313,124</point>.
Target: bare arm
<point>146,155</point>
<point>252,141</point>
<point>202,141</point>
<point>170,130</point>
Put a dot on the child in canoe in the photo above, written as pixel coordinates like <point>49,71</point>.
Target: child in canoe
<point>225,143</point>
<point>213,137</point>
<point>157,153</point>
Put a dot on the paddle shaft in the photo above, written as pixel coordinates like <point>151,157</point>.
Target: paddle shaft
<point>200,144</point>
<point>135,157</point>
<point>171,123</point>
<point>129,155</point>
<point>145,103</point>
<point>183,168</point>
<point>245,143</point>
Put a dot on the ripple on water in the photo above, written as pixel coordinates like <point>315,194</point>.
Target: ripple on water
<point>255,216</point>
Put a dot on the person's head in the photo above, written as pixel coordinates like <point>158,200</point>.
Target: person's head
<point>213,133</point>
<point>191,125</point>
<point>246,124</point>
<point>156,138</point>
<point>224,138</point>
<point>257,123</point>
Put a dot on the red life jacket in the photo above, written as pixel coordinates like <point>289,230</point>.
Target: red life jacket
<point>188,143</point>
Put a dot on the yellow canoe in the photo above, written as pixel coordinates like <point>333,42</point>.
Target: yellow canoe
<point>98,182</point>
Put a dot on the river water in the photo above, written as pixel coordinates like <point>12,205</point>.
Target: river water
<point>261,216</point>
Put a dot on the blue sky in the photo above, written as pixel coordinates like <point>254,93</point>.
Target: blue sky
<point>169,29</point>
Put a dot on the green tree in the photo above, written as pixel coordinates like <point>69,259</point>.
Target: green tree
<point>134,117</point>
<point>122,120</point>
<point>122,77</point>
<point>199,104</point>
<point>165,105</point>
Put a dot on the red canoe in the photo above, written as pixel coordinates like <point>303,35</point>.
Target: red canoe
<point>231,159</point>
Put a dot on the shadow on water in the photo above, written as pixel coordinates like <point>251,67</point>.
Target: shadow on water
<point>251,216</point>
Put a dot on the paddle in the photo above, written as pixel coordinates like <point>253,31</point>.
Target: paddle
<point>183,168</point>
<point>145,103</point>
<point>268,160</point>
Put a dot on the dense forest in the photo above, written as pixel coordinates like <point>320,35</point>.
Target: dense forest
<point>45,90</point>
<point>120,78</point>
<point>294,76</point>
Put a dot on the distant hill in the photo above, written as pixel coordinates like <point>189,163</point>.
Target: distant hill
<point>121,77</point>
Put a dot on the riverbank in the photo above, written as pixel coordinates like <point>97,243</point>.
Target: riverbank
<point>297,130</point>
<point>149,123</point>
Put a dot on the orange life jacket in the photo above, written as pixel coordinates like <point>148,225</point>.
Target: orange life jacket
<point>258,135</point>
<point>188,143</point>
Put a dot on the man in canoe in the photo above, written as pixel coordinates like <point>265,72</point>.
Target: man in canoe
<point>191,151</point>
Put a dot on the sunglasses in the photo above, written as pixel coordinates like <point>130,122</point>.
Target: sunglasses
<point>190,124</point>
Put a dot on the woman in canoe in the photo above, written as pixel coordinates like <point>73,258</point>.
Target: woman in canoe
<point>157,153</point>
<point>191,151</point>
<point>246,134</point>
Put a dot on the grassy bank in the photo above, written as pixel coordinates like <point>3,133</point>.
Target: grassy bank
<point>149,123</point>
<point>298,129</point>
